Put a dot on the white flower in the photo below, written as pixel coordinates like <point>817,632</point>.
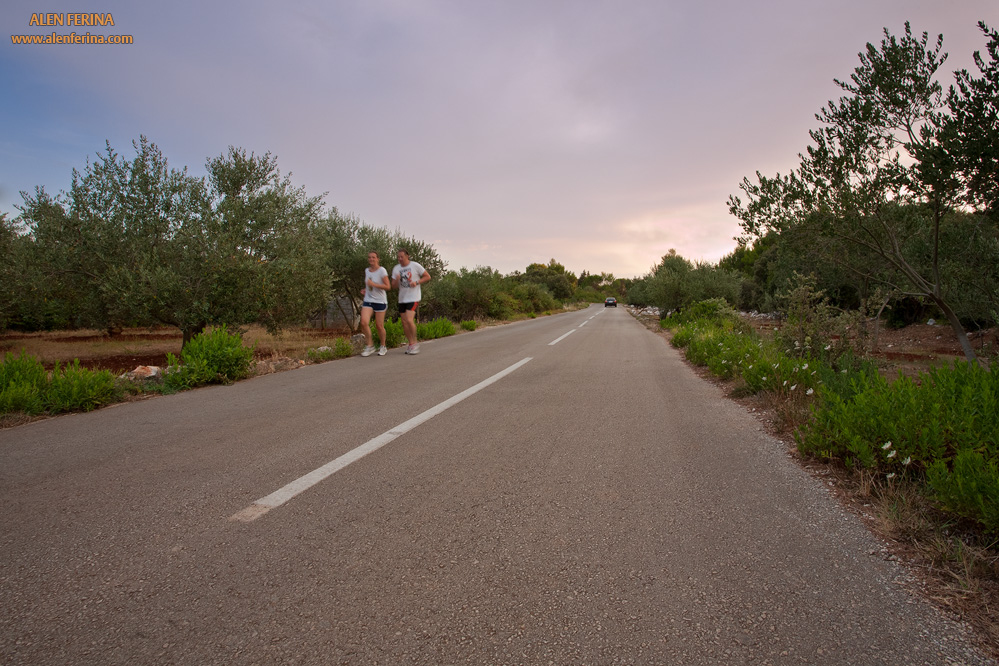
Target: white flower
<point>785,383</point>
<point>804,367</point>
<point>843,372</point>
<point>828,347</point>
<point>794,386</point>
<point>887,445</point>
<point>891,476</point>
<point>908,459</point>
<point>764,378</point>
<point>892,453</point>
<point>809,391</point>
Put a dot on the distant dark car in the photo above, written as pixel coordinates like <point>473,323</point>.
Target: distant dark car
<point>610,303</point>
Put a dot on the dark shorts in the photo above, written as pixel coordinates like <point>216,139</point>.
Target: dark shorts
<point>377,307</point>
<point>406,307</point>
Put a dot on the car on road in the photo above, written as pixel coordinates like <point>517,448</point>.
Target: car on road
<point>610,303</point>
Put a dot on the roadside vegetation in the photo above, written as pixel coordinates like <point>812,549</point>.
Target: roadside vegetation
<point>920,454</point>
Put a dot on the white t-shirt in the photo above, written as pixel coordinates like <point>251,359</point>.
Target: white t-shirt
<point>409,276</point>
<point>374,294</point>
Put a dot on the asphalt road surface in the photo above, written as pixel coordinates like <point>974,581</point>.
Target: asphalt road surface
<point>557,491</point>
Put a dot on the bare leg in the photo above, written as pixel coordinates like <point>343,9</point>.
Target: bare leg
<point>366,324</point>
<point>380,325</point>
<point>409,326</point>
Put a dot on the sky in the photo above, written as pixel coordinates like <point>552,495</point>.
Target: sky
<point>504,132</point>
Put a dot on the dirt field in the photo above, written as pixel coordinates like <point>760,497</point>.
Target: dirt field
<point>144,346</point>
<point>918,347</point>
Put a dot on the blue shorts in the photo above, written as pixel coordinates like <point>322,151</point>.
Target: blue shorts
<point>406,307</point>
<point>377,307</point>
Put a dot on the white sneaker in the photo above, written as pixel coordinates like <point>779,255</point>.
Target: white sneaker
<point>368,351</point>
<point>382,350</point>
<point>414,349</point>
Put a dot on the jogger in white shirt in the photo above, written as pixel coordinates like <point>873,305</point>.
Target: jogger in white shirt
<point>376,283</point>
<point>407,276</point>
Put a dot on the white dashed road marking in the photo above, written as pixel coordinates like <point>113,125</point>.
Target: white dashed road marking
<point>282,495</point>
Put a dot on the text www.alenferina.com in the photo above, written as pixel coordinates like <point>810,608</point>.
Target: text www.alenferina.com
<point>71,20</point>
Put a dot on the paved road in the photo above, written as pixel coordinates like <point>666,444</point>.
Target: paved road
<point>598,504</point>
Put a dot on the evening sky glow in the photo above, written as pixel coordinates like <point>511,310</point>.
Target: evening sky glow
<point>504,133</point>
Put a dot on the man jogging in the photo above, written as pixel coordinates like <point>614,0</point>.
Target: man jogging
<point>407,276</point>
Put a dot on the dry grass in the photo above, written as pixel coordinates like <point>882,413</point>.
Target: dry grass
<point>958,568</point>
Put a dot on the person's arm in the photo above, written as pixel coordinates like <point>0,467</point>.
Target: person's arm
<point>425,278</point>
<point>395,279</point>
<point>384,284</point>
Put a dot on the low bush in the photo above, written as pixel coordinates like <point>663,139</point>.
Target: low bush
<point>320,354</point>
<point>941,413</point>
<point>969,487</point>
<point>22,384</point>
<point>216,356</point>
<point>72,388</point>
<point>438,328</point>
<point>342,348</point>
<point>26,387</point>
<point>468,325</point>
<point>394,333</point>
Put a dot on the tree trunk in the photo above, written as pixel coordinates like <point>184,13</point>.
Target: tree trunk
<point>189,333</point>
<point>962,337</point>
<point>877,323</point>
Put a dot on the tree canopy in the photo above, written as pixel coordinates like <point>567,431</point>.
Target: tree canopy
<point>894,169</point>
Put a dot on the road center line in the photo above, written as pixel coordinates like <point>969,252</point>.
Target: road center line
<point>282,495</point>
<point>560,339</point>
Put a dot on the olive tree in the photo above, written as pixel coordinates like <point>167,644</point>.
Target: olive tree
<point>877,175</point>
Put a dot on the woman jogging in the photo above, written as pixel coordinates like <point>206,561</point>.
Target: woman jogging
<point>376,283</point>
<point>407,276</point>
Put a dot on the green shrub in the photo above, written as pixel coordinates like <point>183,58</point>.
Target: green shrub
<point>72,388</point>
<point>321,354</point>
<point>533,297</point>
<point>503,306</point>
<point>394,333</point>
<point>22,369</point>
<point>22,384</point>
<point>180,376</point>
<point>23,397</point>
<point>26,387</point>
<point>209,357</point>
<point>944,412</point>
<point>468,325</point>
<point>714,311</point>
<point>342,348</point>
<point>969,489</point>
<point>438,328</point>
